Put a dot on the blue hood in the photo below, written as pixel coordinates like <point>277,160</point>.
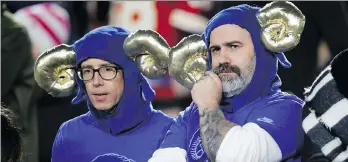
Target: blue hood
<point>265,80</point>
<point>135,103</point>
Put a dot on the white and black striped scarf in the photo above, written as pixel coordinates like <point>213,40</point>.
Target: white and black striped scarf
<point>325,115</point>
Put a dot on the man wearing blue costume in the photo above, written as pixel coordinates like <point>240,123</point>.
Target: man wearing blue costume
<point>239,112</point>
<point>120,120</point>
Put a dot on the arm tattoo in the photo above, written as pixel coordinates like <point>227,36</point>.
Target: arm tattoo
<point>213,128</point>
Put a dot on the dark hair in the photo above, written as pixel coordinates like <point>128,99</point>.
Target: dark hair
<point>11,142</point>
<point>339,68</point>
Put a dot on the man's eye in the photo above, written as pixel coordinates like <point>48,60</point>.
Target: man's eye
<point>234,46</point>
<point>109,69</point>
<point>86,71</point>
<point>214,50</point>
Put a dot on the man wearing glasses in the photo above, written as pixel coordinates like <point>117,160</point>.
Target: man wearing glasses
<point>120,120</point>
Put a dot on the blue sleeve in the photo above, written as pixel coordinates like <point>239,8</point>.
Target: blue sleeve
<point>176,136</point>
<point>59,148</point>
<point>282,120</point>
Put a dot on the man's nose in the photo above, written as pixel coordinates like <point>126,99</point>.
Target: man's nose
<point>224,57</point>
<point>97,80</point>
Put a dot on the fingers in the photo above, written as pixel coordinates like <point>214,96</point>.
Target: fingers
<point>202,76</point>
<point>213,76</point>
<point>192,78</point>
<point>209,75</point>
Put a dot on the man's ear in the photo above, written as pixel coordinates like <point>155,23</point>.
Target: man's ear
<point>339,70</point>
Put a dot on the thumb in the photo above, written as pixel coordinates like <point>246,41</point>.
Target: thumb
<point>214,76</point>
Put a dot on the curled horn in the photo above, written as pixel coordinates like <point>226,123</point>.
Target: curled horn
<point>188,60</point>
<point>282,24</point>
<point>150,51</point>
<point>54,71</point>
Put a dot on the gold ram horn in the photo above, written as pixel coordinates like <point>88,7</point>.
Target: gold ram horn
<point>282,24</point>
<point>188,60</point>
<point>54,70</point>
<point>150,50</point>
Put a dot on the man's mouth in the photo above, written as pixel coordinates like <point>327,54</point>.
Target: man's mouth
<point>228,69</point>
<point>100,96</point>
<point>227,74</point>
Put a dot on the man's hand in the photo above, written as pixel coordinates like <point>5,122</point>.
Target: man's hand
<point>207,92</point>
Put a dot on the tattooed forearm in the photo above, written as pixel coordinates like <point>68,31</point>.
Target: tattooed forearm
<point>213,128</point>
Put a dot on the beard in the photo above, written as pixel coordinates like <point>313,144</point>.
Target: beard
<point>234,85</point>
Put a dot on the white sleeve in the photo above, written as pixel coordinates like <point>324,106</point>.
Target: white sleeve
<point>248,143</point>
<point>174,154</point>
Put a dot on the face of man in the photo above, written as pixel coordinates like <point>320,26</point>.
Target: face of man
<point>233,57</point>
<point>104,87</point>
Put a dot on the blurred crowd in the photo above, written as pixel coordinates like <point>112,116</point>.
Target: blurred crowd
<point>29,28</point>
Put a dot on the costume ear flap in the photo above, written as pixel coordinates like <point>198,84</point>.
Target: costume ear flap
<point>79,97</point>
<point>146,92</point>
<point>283,60</point>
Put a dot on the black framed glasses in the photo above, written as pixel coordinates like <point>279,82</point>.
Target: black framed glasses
<point>105,72</point>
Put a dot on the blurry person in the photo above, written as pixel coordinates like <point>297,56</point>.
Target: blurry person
<point>17,81</point>
<point>325,115</point>
<point>48,24</point>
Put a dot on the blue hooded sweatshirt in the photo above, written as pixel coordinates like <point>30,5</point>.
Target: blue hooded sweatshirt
<point>262,102</point>
<point>133,131</point>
